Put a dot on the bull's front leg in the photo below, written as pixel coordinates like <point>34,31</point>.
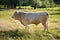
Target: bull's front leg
<point>25,25</point>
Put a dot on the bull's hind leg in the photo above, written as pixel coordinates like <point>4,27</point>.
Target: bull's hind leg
<point>45,24</point>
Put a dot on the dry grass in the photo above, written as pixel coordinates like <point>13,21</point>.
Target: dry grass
<point>34,32</point>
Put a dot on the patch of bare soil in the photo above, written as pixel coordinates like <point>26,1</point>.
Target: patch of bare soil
<point>5,25</point>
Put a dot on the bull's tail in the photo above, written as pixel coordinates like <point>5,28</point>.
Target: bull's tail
<point>47,14</point>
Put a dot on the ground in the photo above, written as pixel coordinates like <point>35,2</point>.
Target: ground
<point>8,26</point>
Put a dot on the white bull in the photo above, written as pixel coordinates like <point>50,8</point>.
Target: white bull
<point>32,18</point>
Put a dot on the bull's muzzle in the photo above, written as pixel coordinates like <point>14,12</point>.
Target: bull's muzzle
<point>12,17</point>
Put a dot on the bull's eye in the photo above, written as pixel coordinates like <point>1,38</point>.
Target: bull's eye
<point>13,16</point>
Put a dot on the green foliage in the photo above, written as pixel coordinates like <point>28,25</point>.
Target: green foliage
<point>38,35</point>
<point>40,3</point>
<point>47,4</point>
<point>52,4</point>
<point>33,3</point>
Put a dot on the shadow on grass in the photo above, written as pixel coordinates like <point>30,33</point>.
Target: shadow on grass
<point>13,34</point>
<point>58,13</point>
<point>2,9</point>
<point>55,21</point>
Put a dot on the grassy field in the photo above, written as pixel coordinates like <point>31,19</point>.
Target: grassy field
<point>11,29</point>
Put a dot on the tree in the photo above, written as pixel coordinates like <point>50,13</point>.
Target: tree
<point>52,4</point>
<point>47,3</point>
<point>34,3</point>
<point>0,3</point>
<point>57,1</point>
<point>12,3</point>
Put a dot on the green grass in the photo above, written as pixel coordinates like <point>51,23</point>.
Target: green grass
<point>11,29</point>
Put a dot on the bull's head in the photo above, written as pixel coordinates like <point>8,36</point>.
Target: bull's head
<point>15,15</point>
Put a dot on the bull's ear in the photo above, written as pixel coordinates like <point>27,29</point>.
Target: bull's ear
<point>18,12</point>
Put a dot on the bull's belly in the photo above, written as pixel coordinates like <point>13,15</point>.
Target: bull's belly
<point>31,22</point>
<point>35,22</point>
<point>27,22</point>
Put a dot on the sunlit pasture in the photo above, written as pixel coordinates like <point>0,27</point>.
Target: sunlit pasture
<point>11,29</point>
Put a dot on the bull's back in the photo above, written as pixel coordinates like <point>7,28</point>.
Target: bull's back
<point>39,15</point>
